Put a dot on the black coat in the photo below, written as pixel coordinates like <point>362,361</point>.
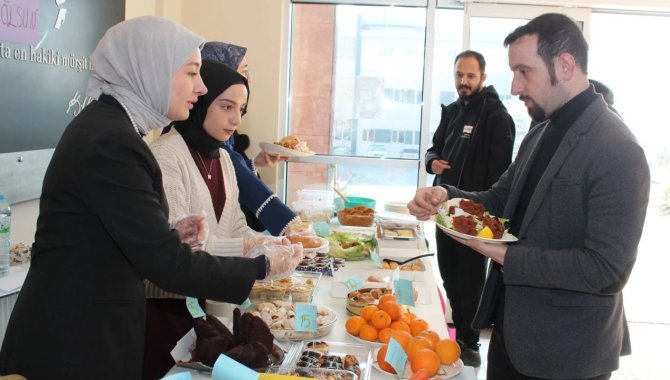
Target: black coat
<point>102,229</point>
<point>477,158</point>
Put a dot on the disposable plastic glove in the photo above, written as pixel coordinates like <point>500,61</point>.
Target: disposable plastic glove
<point>283,258</point>
<point>193,230</point>
<point>253,239</point>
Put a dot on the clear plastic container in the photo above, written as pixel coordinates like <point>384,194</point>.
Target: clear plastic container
<point>276,315</point>
<point>301,356</point>
<point>314,211</point>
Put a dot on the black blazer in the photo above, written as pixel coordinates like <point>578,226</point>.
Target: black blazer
<point>102,229</point>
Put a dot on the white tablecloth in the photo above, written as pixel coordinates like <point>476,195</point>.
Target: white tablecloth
<point>429,309</point>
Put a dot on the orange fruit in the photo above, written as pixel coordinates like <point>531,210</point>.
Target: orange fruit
<point>418,326</point>
<point>448,350</point>
<point>402,337</point>
<point>405,319</point>
<point>380,319</point>
<point>367,311</point>
<point>354,324</point>
<point>386,298</point>
<point>400,325</point>
<point>432,336</point>
<point>421,374</point>
<point>417,343</point>
<point>368,333</point>
<point>384,335</point>
<point>411,316</point>
<point>426,359</point>
<point>393,309</point>
<point>381,354</point>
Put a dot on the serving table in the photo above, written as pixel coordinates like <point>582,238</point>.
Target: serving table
<point>428,308</point>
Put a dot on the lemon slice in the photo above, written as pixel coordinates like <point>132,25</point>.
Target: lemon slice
<point>485,233</point>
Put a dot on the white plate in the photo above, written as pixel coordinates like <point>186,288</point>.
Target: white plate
<point>375,343</point>
<point>323,248</point>
<point>282,151</point>
<point>506,238</point>
<point>445,372</point>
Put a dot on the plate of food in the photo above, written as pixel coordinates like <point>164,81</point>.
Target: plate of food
<point>289,146</point>
<point>445,371</point>
<point>467,219</point>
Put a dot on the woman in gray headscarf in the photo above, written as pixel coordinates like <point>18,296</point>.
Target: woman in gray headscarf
<point>103,225</point>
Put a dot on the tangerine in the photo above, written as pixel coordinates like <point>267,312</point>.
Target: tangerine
<point>367,311</point>
<point>411,316</point>
<point>418,326</point>
<point>431,335</point>
<point>417,343</point>
<point>448,350</point>
<point>354,324</point>
<point>386,298</point>
<point>380,319</point>
<point>421,374</point>
<point>405,319</point>
<point>400,325</point>
<point>393,309</point>
<point>381,355</point>
<point>426,359</point>
<point>384,335</point>
<point>368,333</point>
<point>402,337</point>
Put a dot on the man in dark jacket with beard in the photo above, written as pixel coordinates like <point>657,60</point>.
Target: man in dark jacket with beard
<point>471,148</point>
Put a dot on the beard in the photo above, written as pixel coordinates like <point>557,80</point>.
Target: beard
<point>472,94</point>
<point>535,112</point>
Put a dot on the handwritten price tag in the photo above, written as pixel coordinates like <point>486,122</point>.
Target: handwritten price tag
<point>395,274</point>
<point>375,258</point>
<point>404,292</point>
<point>194,307</point>
<point>227,368</point>
<point>305,317</point>
<point>396,357</point>
<point>353,282</point>
<point>245,304</point>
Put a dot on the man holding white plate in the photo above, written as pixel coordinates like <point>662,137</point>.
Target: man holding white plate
<point>576,196</point>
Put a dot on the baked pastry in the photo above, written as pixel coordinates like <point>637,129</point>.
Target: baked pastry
<point>308,242</point>
<point>250,343</point>
<point>293,142</point>
<point>360,216</point>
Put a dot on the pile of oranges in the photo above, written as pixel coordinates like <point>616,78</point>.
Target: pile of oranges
<point>425,350</point>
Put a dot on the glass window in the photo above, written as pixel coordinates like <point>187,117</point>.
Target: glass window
<point>631,64</point>
<point>341,83</point>
<point>486,36</point>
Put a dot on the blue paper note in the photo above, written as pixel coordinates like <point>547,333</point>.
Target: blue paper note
<point>404,292</point>
<point>353,282</point>
<point>305,317</point>
<point>194,307</point>
<point>396,357</point>
<point>179,376</point>
<point>226,368</point>
<point>375,258</point>
<point>395,274</point>
<point>245,304</point>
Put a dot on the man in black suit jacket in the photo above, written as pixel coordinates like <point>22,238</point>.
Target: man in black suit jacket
<point>576,196</point>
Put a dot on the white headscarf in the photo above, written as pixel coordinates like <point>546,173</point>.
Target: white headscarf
<point>135,61</point>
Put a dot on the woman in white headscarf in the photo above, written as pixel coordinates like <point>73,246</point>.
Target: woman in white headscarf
<point>103,225</point>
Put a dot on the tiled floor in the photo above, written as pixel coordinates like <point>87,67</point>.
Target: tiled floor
<point>649,360</point>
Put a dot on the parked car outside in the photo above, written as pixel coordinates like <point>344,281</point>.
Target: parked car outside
<point>377,150</point>
<point>410,153</point>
